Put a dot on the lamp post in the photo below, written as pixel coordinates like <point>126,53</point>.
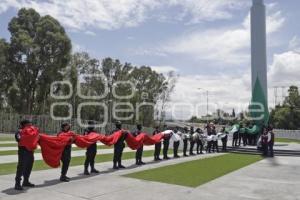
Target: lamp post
<point>206,102</point>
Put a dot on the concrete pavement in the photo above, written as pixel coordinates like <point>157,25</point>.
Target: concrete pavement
<point>270,179</point>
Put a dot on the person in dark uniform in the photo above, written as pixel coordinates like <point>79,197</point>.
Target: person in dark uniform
<point>157,145</point>
<point>91,151</point>
<point>209,133</point>
<point>119,147</point>
<point>235,138</point>
<point>25,160</point>
<point>215,145</point>
<point>199,142</point>
<point>271,142</point>
<point>66,155</point>
<point>176,145</point>
<point>185,141</point>
<point>166,143</point>
<point>264,141</point>
<point>139,151</point>
<point>224,139</point>
<point>241,134</point>
<point>192,141</point>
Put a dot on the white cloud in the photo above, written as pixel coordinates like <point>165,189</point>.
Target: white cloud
<point>285,69</point>
<point>229,45</point>
<point>115,14</point>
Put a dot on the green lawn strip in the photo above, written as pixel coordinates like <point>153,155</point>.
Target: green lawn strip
<point>10,168</point>
<point>197,172</point>
<point>14,152</point>
<point>5,138</point>
<point>287,140</point>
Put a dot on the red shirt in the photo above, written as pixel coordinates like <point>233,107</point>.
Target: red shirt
<point>69,134</point>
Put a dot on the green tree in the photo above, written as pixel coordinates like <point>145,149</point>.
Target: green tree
<point>39,51</point>
<point>6,76</point>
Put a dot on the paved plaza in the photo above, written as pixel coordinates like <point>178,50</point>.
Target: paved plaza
<point>271,178</point>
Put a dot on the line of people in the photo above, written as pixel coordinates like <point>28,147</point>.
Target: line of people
<point>191,137</point>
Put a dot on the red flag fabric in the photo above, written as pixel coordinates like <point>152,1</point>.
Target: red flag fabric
<point>52,148</point>
<point>29,137</point>
<point>112,139</point>
<point>84,141</point>
<point>142,139</point>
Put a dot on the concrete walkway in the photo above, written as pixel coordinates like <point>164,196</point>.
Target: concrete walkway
<point>270,179</point>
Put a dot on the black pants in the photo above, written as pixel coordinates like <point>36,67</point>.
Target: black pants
<point>175,148</point>
<point>139,155</point>
<point>192,143</point>
<point>235,139</point>
<point>209,146</point>
<point>224,144</point>
<point>264,149</point>
<point>65,159</point>
<point>185,145</point>
<point>199,146</point>
<point>166,148</point>
<point>157,151</point>
<point>240,138</point>
<point>215,146</point>
<point>25,164</point>
<point>270,149</point>
<point>245,139</point>
<point>118,151</point>
<point>91,153</point>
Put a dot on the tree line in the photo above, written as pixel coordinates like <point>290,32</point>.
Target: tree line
<point>39,53</point>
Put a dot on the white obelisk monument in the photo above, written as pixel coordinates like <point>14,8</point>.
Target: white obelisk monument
<point>259,54</point>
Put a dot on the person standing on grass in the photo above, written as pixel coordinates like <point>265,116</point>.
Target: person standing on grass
<point>192,141</point>
<point>91,151</point>
<point>199,141</point>
<point>271,141</point>
<point>185,139</point>
<point>166,143</point>
<point>176,143</point>
<point>224,139</point>
<point>139,151</point>
<point>215,139</point>
<point>25,155</point>
<point>157,145</point>
<point>66,155</point>
<point>119,147</point>
<point>264,141</point>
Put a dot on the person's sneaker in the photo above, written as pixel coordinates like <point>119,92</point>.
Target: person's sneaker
<point>142,163</point>
<point>18,187</point>
<point>121,167</point>
<point>115,167</point>
<point>86,172</point>
<point>159,159</point>
<point>95,171</point>
<point>64,179</point>
<point>28,184</point>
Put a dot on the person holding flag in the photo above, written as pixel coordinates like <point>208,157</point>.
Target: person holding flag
<point>27,137</point>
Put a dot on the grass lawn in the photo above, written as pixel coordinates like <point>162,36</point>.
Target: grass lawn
<point>287,140</point>
<point>10,168</point>
<point>197,172</point>
<point>7,138</point>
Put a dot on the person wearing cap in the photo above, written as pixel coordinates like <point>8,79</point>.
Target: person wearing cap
<point>185,140</point>
<point>192,141</point>
<point>139,151</point>
<point>91,151</point>
<point>25,158</point>
<point>119,147</point>
<point>157,148</point>
<point>66,155</point>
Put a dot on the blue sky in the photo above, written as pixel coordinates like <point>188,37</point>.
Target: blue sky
<point>205,41</point>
